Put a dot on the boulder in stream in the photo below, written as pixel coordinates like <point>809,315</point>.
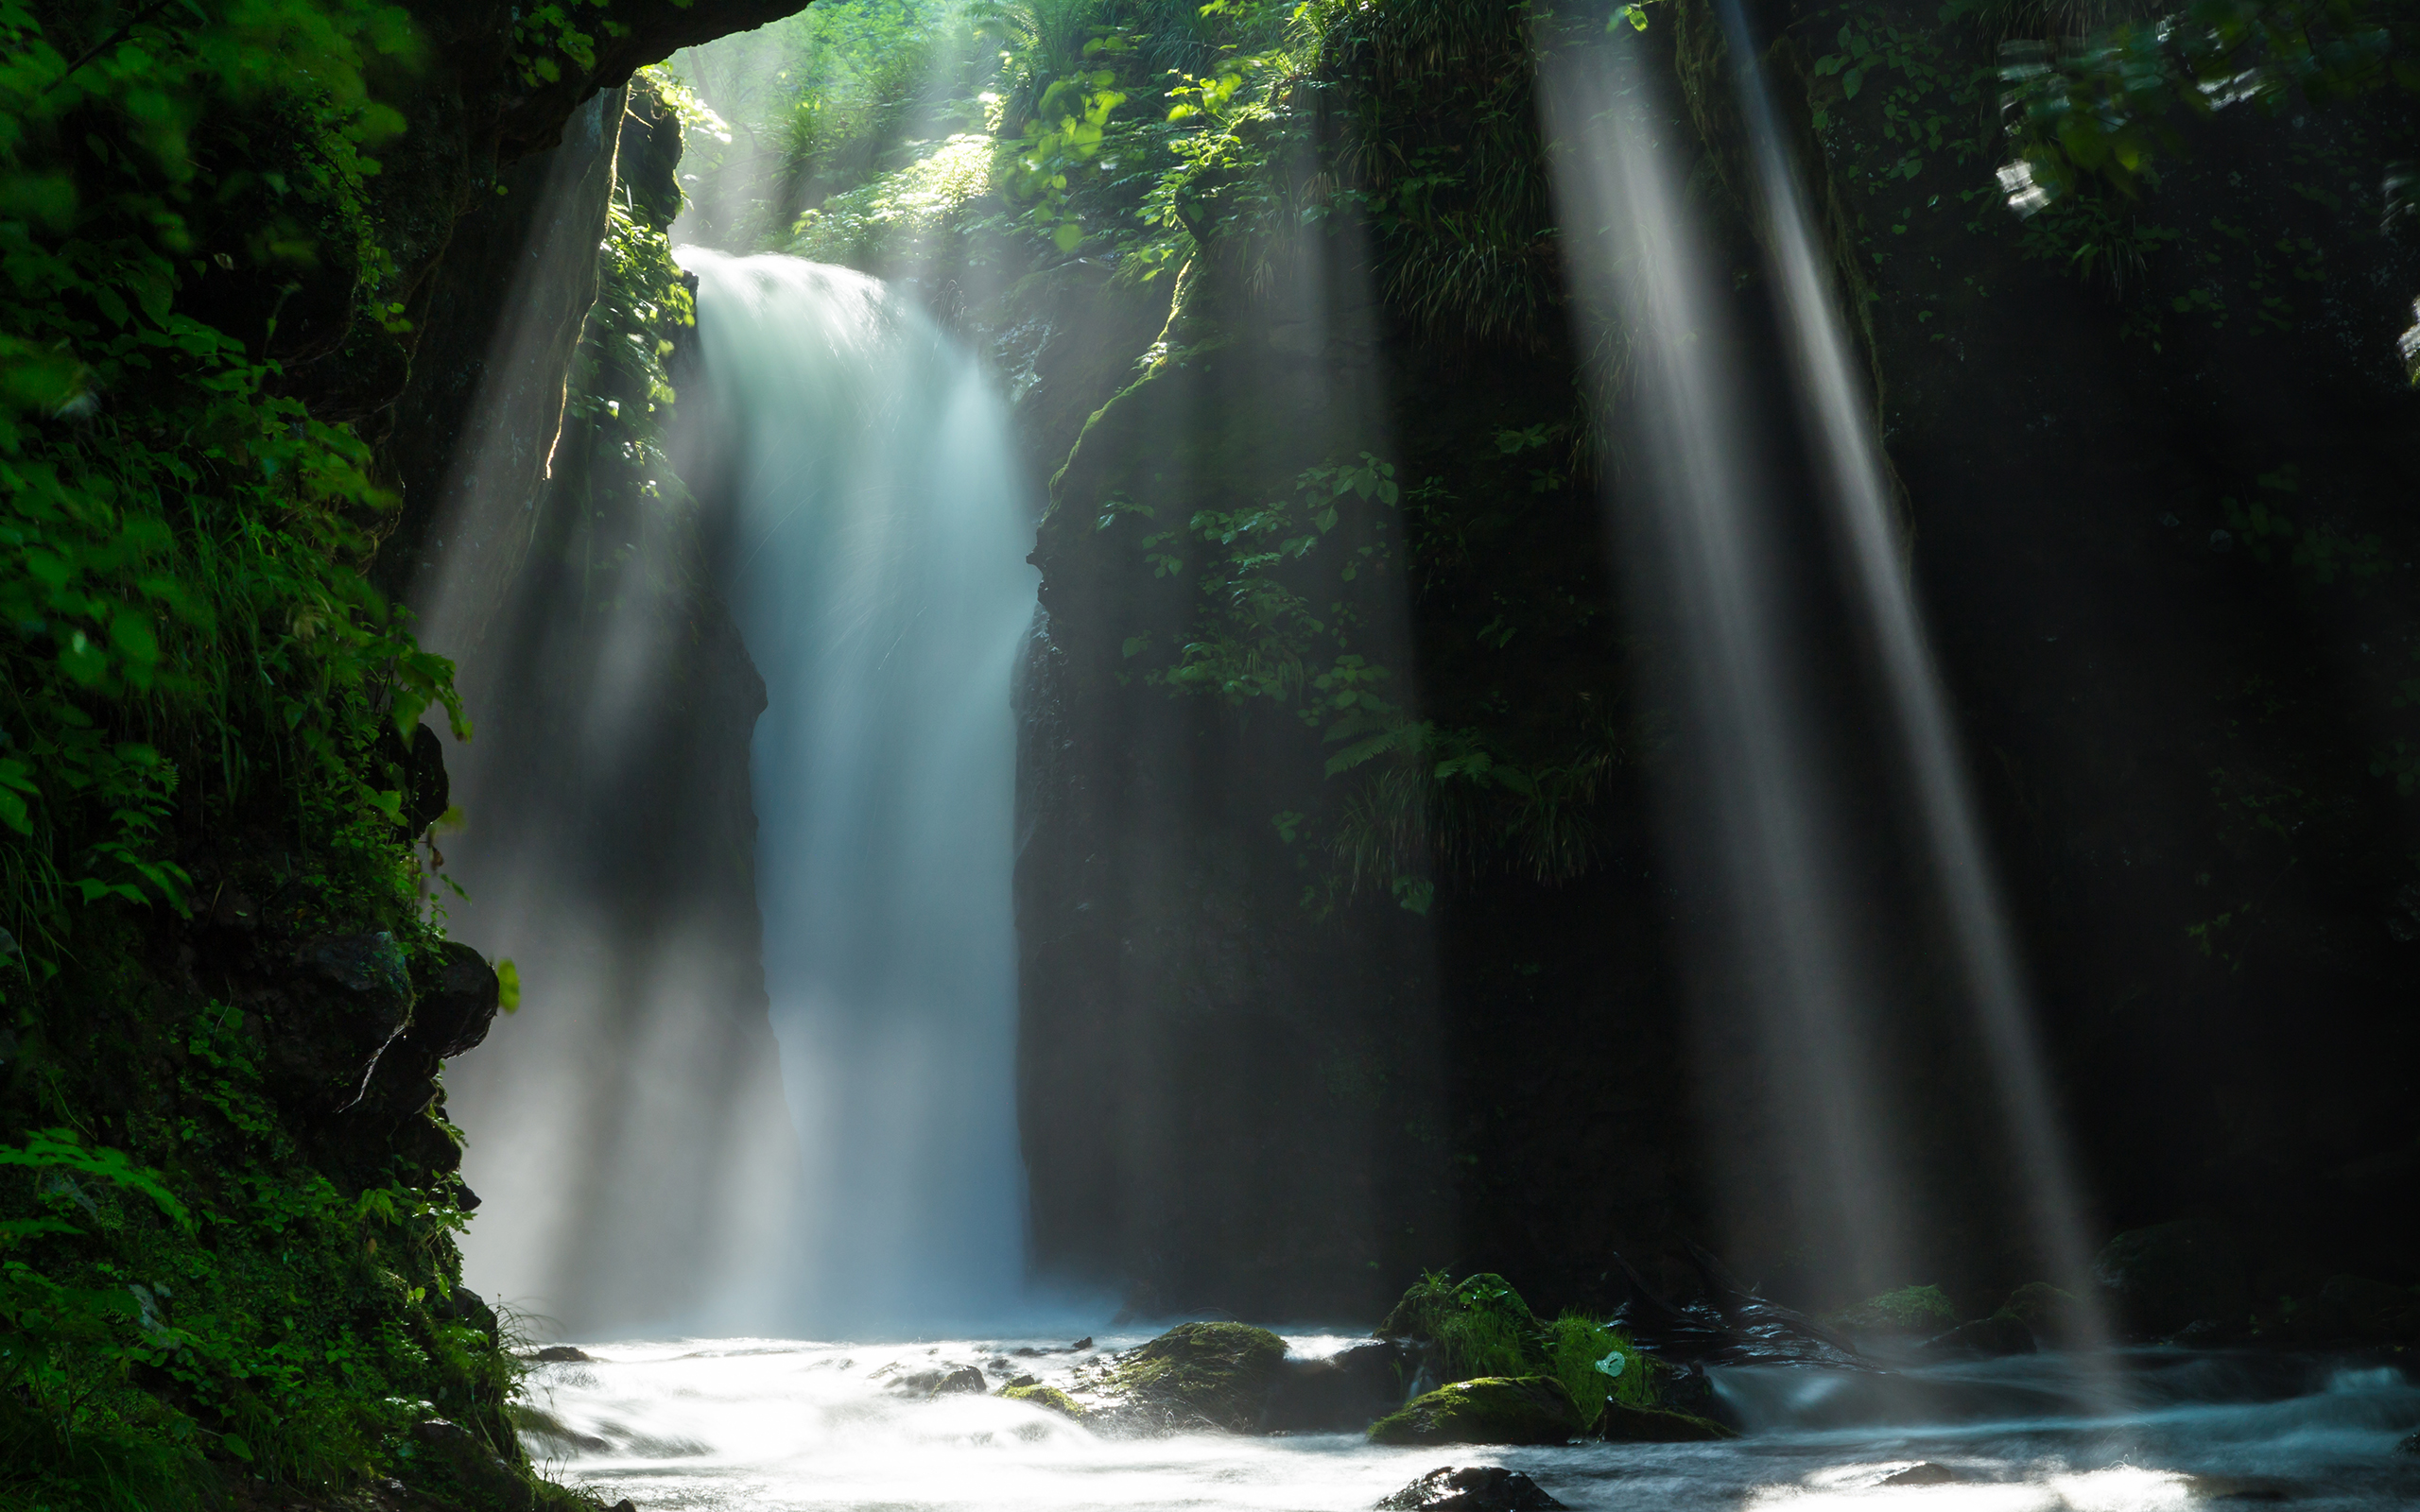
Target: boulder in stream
<point>965,1380</point>
<point>1489,1410</point>
<point>1217,1375</point>
<point>1475,1488</point>
<point>1341,1393</point>
<point>2171,1275</point>
<point>1624,1424</point>
<point>1042,1395</point>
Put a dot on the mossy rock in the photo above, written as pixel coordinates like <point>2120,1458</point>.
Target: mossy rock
<point>1655,1425</point>
<point>1431,1302</point>
<point>1217,1373</point>
<point>1050,1397</point>
<point>1917,1310</point>
<point>1490,1410</point>
<point>1481,1327</point>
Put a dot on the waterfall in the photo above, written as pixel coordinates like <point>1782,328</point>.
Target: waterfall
<point>872,554</point>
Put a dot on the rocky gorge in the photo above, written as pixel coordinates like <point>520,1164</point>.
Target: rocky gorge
<point>1354,936</point>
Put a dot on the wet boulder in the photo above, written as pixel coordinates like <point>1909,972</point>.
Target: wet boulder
<point>1912,1313</point>
<point>459,1005</point>
<point>1489,1410</point>
<point>1047,1397</point>
<point>2162,1279</point>
<point>1624,1424</point>
<point>346,998</point>
<point>2057,1319</point>
<point>2002,1333</point>
<point>1477,1488</point>
<point>450,1457</point>
<point>1342,1393</point>
<point>964,1381</point>
<point>1217,1375</point>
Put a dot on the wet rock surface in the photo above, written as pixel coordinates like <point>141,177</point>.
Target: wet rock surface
<point>1478,1488</point>
<point>1343,1393</point>
<point>1028,1390</point>
<point>1622,1424</point>
<point>1490,1410</point>
<point>471,1465</point>
<point>1196,1375</point>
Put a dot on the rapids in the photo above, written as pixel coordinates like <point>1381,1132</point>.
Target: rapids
<point>782,1426</point>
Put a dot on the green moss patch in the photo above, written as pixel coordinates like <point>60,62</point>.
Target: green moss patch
<point>1480,1325</point>
<point>1050,1397</point>
<point>1490,1410</point>
<point>1924,1310</point>
<point>1217,1373</point>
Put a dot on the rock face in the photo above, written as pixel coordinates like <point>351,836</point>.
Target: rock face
<point>2139,564</point>
<point>469,1466</point>
<point>1479,1488</point>
<point>1489,1410</point>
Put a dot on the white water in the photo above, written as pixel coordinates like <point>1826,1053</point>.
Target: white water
<point>777,1426</point>
<point>876,571</point>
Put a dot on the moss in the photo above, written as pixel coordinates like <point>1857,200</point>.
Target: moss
<point>1217,1372</point>
<point>1909,1310</point>
<point>1481,1327</point>
<point>1598,1363</point>
<point>1050,1397</point>
<point>1490,1410</point>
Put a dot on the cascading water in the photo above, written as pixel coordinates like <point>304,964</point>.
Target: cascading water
<point>874,565</point>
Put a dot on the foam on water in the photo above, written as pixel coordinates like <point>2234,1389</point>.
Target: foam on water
<point>775,1426</point>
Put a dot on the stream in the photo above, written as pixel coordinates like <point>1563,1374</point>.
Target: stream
<point>774,1425</point>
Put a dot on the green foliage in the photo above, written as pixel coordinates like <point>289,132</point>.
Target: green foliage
<point>1479,1325</point>
<point>182,575</point>
<point>195,672</point>
<point>1598,1364</point>
<point>2110,108</point>
<point>262,1318</point>
<point>817,105</point>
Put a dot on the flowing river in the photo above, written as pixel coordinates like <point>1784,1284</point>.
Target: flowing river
<point>782,1426</point>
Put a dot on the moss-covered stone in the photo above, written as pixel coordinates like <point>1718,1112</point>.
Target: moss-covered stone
<point>1490,1410</point>
<point>1919,1311</point>
<point>1655,1425</point>
<point>1216,1373</point>
<point>1050,1397</point>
